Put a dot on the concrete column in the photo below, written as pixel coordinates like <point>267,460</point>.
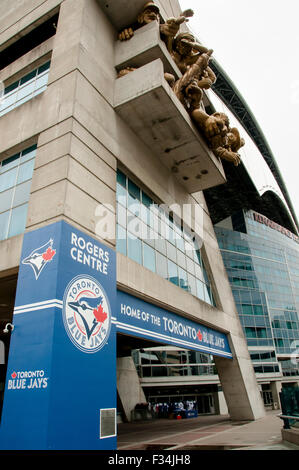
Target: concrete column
<point>128,385</point>
<point>240,388</point>
<point>275,388</point>
<point>74,167</point>
<point>222,406</point>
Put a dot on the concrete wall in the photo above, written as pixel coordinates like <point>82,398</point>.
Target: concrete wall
<point>80,141</point>
<point>128,386</point>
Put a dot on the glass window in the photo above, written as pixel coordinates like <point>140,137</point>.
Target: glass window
<point>161,265</point>
<point>28,86</point>
<point>11,87</point>
<point>199,272</point>
<point>25,93</point>
<point>4,218</point>
<point>28,77</point>
<point>192,284</point>
<point>154,240</point>
<point>146,200</point>
<point>44,67</point>
<point>250,332</point>
<point>18,220</point>
<point>121,242</point>
<point>6,200</point>
<point>258,310</point>
<point>121,178</point>
<point>183,279</point>
<point>180,242</point>
<point>15,183</point>
<point>133,189</point>
<point>41,83</point>
<point>149,257</point>
<point>200,289</point>
<point>121,215</point>
<point>190,265</point>
<point>8,179</point>
<point>134,248</point>
<point>27,154</point>
<point>10,162</point>
<point>25,171</point>
<point>173,273</point>
<point>22,192</point>
<point>181,259</point>
<point>121,195</point>
<point>171,251</point>
<point>160,245</point>
<point>247,309</point>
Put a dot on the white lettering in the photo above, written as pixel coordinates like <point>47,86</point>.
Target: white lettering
<point>98,261</point>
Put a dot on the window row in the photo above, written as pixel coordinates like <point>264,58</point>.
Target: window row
<point>15,182</point>
<point>174,371</point>
<point>252,332</point>
<point>148,235</point>
<point>258,321</point>
<point>266,369</point>
<point>264,356</point>
<point>282,324</point>
<point>247,309</point>
<point>24,89</point>
<point>151,357</point>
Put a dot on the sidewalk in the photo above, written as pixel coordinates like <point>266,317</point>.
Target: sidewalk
<point>204,433</point>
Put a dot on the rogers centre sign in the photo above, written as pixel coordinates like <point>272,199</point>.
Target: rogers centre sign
<point>264,220</point>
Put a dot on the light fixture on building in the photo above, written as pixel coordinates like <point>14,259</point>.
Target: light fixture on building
<point>7,327</point>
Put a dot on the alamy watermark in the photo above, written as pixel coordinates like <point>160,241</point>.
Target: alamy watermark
<point>167,222</point>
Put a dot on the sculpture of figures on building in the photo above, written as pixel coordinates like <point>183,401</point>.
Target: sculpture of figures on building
<point>189,88</point>
<point>223,140</point>
<point>151,12</point>
<point>192,59</point>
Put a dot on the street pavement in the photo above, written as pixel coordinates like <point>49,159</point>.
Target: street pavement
<point>204,433</point>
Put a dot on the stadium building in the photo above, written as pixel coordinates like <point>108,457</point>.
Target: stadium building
<point>125,237</point>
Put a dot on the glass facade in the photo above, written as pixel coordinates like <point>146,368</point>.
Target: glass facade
<point>15,182</point>
<point>24,89</point>
<point>262,267</point>
<point>170,363</point>
<point>147,234</point>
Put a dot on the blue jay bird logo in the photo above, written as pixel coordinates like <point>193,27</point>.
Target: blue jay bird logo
<point>86,313</point>
<point>39,257</point>
<point>90,311</point>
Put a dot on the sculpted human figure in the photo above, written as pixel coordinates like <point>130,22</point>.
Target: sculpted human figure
<point>192,59</point>
<point>185,51</point>
<point>151,12</point>
<point>223,140</point>
<point>196,78</point>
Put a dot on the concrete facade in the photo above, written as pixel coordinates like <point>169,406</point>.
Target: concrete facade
<point>81,140</point>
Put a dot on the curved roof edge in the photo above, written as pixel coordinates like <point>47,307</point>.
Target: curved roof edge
<point>229,94</point>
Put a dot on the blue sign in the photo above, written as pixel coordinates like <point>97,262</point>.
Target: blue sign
<point>61,377</point>
<point>139,318</point>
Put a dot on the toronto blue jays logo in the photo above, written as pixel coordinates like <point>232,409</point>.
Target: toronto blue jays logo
<point>86,314</point>
<point>39,257</point>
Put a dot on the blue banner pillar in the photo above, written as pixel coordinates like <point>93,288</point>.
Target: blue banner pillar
<point>60,389</point>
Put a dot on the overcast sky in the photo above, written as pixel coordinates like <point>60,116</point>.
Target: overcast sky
<point>257,44</point>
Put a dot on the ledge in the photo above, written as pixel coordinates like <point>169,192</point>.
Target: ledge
<point>122,13</point>
<point>145,101</point>
<point>290,435</point>
<point>144,47</point>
